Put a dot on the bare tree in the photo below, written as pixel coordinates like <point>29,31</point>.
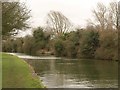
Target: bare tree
<point>119,15</point>
<point>58,22</point>
<point>100,15</point>
<point>107,17</point>
<point>113,14</point>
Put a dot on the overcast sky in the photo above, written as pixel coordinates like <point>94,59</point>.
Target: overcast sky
<point>77,11</point>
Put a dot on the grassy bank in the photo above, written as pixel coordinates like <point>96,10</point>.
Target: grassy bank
<point>17,74</point>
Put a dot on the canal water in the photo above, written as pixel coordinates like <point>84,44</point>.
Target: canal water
<point>77,73</point>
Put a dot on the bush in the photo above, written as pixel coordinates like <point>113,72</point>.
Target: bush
<point>28,45</point>
<point>108,45</point>
<point>59,47</point>
<point>89,43</point>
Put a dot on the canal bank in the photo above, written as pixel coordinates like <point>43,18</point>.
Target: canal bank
<point>16,73</point>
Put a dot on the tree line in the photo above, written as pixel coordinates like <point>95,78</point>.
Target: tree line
<point>98,40</point>
<point>82,43</point>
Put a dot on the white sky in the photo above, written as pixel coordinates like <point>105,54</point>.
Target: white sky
<point>77,11</point>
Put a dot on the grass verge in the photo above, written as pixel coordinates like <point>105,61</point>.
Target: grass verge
<point>17,74</point>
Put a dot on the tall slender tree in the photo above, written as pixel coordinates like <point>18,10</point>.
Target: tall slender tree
<point>113,12</point>
<point>100,15</point>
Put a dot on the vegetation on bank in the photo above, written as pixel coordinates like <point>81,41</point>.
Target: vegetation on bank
<point>17,74</point>
<point>85,43</point>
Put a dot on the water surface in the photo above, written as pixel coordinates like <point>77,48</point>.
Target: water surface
<point>68,73</point>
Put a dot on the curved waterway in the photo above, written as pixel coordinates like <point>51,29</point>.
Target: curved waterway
<point>68,73</point>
